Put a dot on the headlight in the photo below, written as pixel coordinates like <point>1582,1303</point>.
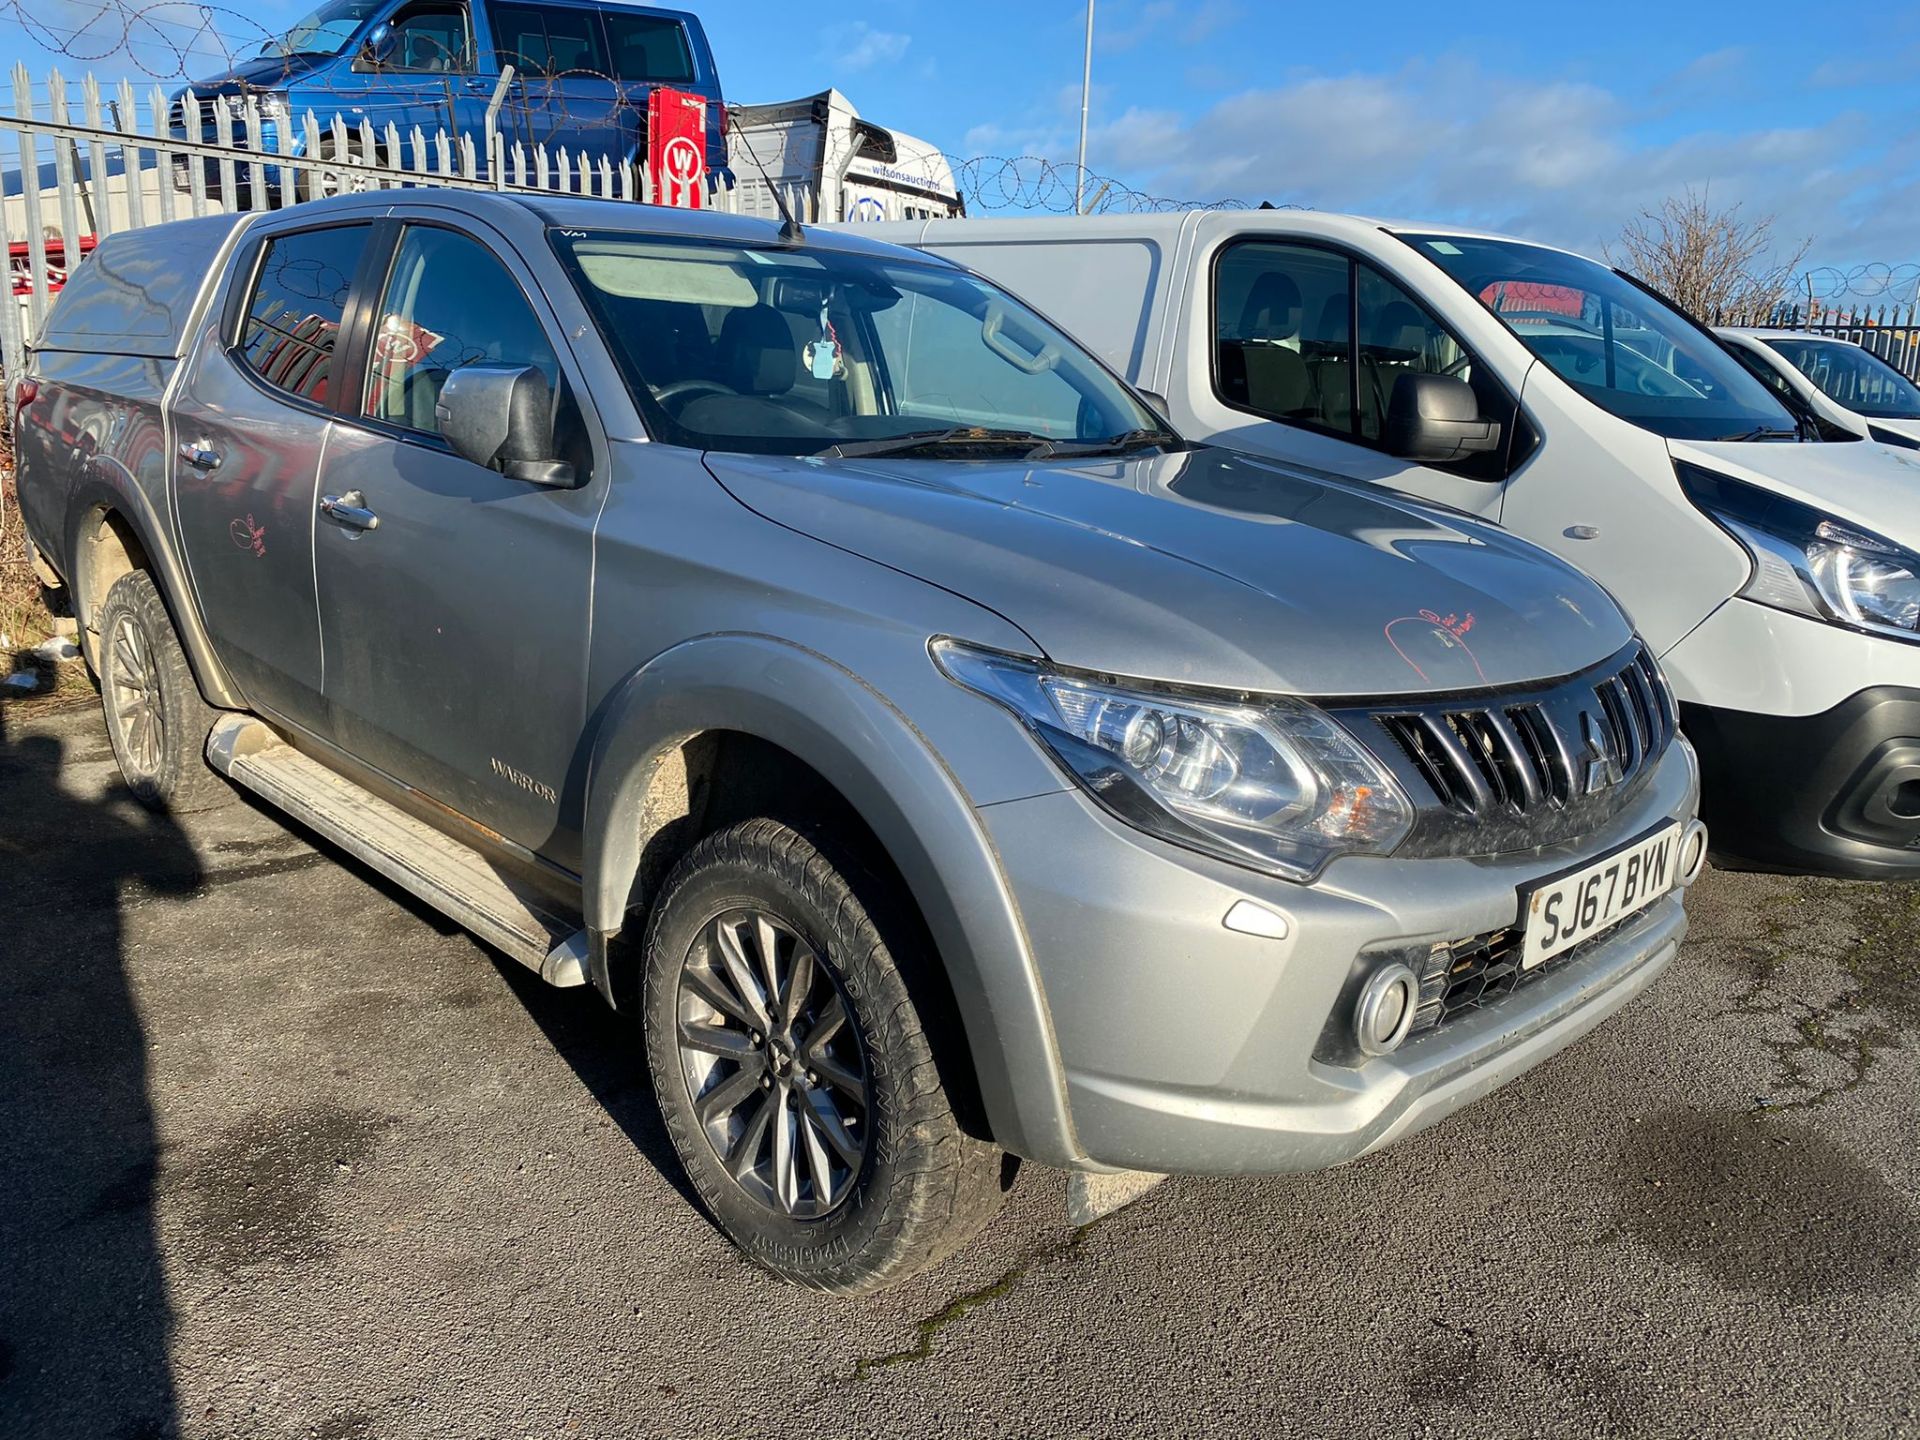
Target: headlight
<point>1809,563</point>
<point>1273,783</point>
<point>272,107</point>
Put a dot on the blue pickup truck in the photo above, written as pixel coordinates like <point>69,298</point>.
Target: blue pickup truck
<point>582,74</point>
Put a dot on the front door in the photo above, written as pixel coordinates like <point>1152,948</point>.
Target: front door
<point>1308,343</point>
<point>455,629</point>
<point>251,421</point>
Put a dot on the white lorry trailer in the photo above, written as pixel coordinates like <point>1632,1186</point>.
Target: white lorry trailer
<point>828,164</point>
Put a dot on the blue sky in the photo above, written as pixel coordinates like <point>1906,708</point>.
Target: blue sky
<point>1536,117</point>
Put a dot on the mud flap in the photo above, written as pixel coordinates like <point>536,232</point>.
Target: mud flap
<point>1091,1196</point>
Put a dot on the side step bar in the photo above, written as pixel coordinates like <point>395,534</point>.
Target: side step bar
<point>453,878</point>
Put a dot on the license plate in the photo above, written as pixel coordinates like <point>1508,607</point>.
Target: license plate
<point>1576,907</point>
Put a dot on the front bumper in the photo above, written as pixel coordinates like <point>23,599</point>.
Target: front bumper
<point>1836,793</point>
<point>1809,739</point>
<point>1192,1048</point>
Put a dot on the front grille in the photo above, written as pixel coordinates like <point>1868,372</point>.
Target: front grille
<point>1529,767</point>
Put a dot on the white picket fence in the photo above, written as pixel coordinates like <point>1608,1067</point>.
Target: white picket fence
<point>117,165</point>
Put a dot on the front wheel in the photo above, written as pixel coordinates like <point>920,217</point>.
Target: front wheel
<point>795,1074</point>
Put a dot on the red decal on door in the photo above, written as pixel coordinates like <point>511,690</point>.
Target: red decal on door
<point>249,536</point>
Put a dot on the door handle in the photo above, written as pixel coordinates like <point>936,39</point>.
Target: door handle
<point>350,510</point>
<point>200,455</point>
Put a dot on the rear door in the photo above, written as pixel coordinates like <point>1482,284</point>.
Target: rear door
<point>251,421</point>
<point>455,629</point>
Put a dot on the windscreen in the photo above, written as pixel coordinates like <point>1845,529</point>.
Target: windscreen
<point>324,31</point>
<point>1856,378</point>
<point>796,350</point>
<point>1613,342</point>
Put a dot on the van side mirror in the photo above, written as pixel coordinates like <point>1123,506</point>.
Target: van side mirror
<point>1436,418</point>
<point>501,416</point>
<point>378,47</point>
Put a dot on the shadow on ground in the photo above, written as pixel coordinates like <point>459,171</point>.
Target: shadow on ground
<point>84,1313</point>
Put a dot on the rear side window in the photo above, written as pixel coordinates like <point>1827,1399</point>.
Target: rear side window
<point>298,300</point>
<point>646,47</point>
<point>448,303</point>
<point>546,41</point>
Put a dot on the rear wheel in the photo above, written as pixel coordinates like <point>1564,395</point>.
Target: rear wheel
<point>156,720</point>
<point>795,1074</point>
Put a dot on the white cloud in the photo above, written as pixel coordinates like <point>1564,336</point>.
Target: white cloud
<point>1558,160</point>
<point>859,46</point>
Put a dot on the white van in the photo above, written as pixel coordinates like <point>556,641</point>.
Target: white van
<point>1778,577</point>
<point>1845,386</point>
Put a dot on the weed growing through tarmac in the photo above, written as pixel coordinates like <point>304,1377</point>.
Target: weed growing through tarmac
<point>927,1330</point>
<point>1832,1044</point>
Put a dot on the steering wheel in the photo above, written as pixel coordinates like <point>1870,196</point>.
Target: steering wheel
<point>687,389</point>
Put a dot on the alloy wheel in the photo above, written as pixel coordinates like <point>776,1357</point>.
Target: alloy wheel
<point>774,1065</point>
<point>134,691</point>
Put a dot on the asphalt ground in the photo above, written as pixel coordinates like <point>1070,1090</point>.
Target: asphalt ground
<point>284,1154</point>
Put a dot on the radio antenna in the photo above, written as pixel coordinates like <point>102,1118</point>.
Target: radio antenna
<point>791,232</point>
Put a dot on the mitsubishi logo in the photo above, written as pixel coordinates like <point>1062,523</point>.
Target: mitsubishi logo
<point>1603,766</point>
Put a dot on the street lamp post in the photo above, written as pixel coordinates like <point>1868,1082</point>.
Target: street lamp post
<point>1086,96</point>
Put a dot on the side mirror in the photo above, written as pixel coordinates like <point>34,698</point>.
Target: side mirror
<point>501,416</point>
<point>1156,402</point>
<point>379,46</point>
<point>1436,418</point>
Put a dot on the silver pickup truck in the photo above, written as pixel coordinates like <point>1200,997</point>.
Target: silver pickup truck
<point>811,647</point>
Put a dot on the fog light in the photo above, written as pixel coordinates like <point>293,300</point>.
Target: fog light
<point>1693,854</point>
<point>1384,1012</point>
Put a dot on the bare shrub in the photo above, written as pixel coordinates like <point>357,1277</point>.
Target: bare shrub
<point>1713,262</point>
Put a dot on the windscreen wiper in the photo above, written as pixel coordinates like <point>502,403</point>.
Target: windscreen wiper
<point>1760,432</point>
<point>957,437</point>
<point>1120,444</point>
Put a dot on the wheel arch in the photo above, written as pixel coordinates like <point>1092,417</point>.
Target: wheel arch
<point>645,770</point>
<point>113,529</point>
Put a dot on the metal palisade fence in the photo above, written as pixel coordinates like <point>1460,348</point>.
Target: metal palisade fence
<point>93,160</point>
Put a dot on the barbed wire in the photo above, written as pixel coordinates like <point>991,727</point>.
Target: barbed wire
<point>1896,284</point>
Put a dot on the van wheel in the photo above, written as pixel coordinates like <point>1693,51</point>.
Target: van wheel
<point>795,1075</point>
<point>314,182</point>
<point>156,720</point>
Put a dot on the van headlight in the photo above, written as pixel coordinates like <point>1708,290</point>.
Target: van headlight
<point>271,106</point>
<point>1810,563</point>
<point>1274,783</point>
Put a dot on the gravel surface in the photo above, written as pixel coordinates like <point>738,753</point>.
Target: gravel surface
<point>284,1154</point>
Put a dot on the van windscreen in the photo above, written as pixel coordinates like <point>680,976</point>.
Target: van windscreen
<point>1616,344</point>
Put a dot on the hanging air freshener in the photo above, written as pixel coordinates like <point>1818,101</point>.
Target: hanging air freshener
<point>822,356</point>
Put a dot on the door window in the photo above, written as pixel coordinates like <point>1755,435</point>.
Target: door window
<point>1399,336</point>
<point>1284,321</point>
<point>294,311</point>
<point>647,47</point>
<point>543,41</point>
<point>449,303</point>
<point>1288,348</point>
<point>431,39</point>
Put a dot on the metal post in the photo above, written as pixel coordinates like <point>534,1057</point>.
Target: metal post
<point>1086,99</point>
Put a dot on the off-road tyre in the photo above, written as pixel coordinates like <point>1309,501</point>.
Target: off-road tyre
<point>157,721</point>
<point>922,1186</point>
